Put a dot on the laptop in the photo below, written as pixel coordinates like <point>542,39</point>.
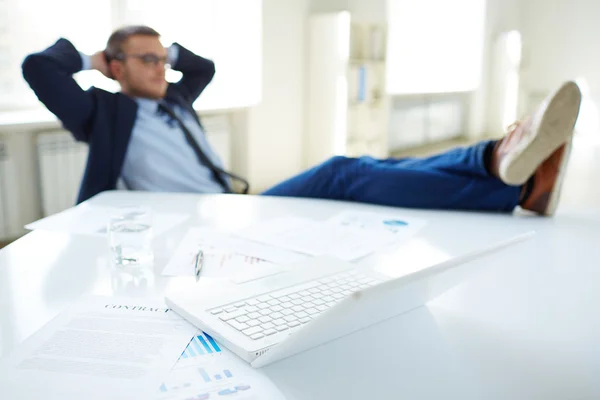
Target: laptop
<point>278,316</point>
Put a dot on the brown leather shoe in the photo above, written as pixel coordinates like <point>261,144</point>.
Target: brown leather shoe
<point>547,182</point>
<point>528,144</point>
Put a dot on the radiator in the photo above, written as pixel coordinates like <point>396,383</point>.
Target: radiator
<point>61,162</point>
<point>3,190</point>
<point>10,222</point>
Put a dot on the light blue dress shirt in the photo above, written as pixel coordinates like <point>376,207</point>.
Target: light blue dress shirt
<point>158,157</point>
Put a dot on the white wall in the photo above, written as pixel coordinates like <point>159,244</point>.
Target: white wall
<point>560,42</point>
<point>501,16</point>
<point>275,127</point>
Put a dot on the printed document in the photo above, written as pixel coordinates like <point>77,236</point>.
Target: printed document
<point>87,219</point>
<point>397,226</point>
<point>347,236</point>
<point>101,348</point>
<point>226,256</point>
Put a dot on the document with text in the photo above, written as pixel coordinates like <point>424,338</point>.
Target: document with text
<point>100,348</point>
<point>86,219</point>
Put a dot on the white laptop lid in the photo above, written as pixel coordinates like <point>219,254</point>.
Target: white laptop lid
<point>394,297</point>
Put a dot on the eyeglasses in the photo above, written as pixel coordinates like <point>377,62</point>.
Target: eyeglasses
<point>146,59</point>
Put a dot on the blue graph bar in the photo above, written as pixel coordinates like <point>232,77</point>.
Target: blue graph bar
<point>183,355</point>
<point>212,341</point>
<point>197,346</point>
<point>206,346</point>
<point>190,351</point>
<point>228,373</point>
<point>218,377</point>
<point>204,375</point>
<point>163,388</point>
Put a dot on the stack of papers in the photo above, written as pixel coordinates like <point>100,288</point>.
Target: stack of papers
<point>110,348</point>
<point>264,248</point>
<point>102,348</point>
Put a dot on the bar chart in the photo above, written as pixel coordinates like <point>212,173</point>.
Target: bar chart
<point>233,390</point>
<point>206,371</point>
<point>217,377</point>
<point>194,376</point>
<point>200,345</point>
<point>164,389</point>
<point>202,396</point>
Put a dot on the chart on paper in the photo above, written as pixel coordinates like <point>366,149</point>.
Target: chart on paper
<point>348,235</point>
<point>399,226</point>
<point>201,345</point>
<point>207,371</point>
<point>218,261</point>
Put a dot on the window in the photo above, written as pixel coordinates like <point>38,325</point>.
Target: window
<point>32,25</point>
<point>434,46</point>
<point>588,121</point>
<point>226,31</point>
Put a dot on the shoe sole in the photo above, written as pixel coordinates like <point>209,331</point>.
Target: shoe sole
<point>556,190</point>
<point>552,128</point>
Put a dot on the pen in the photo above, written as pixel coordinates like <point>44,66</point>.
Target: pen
<point>198,264</point>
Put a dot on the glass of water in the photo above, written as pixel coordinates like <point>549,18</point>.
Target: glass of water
<point>130,236</point>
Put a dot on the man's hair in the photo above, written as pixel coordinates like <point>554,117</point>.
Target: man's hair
<point>114,46</point>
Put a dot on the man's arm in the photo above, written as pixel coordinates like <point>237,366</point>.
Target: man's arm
<point>197,71</point>
<point>50,75</point>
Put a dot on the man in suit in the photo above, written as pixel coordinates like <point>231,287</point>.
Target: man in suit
<point>148,137</point>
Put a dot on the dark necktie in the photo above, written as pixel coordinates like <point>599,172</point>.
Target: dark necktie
<point>218,173</point>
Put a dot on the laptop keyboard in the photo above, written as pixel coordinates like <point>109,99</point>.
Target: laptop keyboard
<point>292,307</point>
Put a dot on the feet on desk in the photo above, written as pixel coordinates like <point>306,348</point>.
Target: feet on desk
<point>545,185</point>
<point>535,152</point>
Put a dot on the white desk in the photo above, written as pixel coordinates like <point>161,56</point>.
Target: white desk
<point>528,327</point>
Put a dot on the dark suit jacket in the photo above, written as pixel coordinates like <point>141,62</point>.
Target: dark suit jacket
<point>102,119</point>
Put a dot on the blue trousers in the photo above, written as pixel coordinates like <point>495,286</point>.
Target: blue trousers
<point>455,180</point>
